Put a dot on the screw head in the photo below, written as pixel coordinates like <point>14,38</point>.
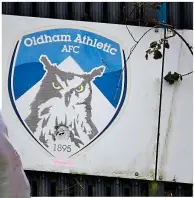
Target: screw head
<point>160,177</point>
<point>136,174</point>
<point>156,30</point>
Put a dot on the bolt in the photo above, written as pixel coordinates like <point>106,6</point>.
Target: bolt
<point>136,174</point>
<point>160,177</point>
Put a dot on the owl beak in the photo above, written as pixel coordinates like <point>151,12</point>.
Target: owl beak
<point>67,99</point>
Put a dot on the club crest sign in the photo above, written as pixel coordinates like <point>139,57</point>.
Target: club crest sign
<point>66,87</point>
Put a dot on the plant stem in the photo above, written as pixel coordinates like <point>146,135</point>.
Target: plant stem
<point>187,73</point>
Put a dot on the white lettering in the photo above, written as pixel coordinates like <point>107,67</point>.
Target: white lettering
<point>34,39</point>
<point>46,37</point>
<point>89,41</point>
<point>64,38</point>
<point>65,49</point>
<point>99,45</point>
<point>70,48</point>
<point>78,39</point>
<point>113,49</point>
<point>28,42</point>
<point>40,40</point>
<point>56,38</point>
<point>75,50</point>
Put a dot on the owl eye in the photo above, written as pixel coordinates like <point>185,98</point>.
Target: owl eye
<point>56,85</point>
<point>80,89</point>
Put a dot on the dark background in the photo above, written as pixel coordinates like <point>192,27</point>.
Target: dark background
<point>179,14</point>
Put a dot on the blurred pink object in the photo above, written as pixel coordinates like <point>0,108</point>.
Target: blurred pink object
<point>13,181</point>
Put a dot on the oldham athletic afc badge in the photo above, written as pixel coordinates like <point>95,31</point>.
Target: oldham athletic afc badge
<point>67,86</point>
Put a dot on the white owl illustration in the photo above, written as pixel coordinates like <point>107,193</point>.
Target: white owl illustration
<point>62,106</point>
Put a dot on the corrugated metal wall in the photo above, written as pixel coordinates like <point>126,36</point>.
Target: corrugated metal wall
<point>180,14</point>
<point>57,184</point>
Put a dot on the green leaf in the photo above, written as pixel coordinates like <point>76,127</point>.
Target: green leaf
<point>146,56</point>
<point>176,76</point>
<point>153,44</point>
<point>159,46</point>
<point>171,82</point>
<point>166,44</point>
<point>168,76</point>
<point>171,78</point>
<point>148,51</point>
<point>157,54</point>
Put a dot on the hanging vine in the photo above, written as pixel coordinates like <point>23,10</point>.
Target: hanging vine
<point>155,46</point>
